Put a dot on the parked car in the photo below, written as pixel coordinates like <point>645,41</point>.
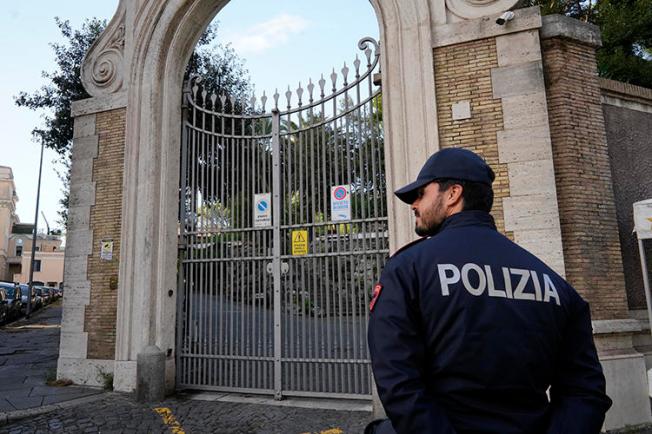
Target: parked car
<point>37,301</point>
<point>14,299</point>
<point>42,292</point>
<point>54,293</point>
<point>4,308</point>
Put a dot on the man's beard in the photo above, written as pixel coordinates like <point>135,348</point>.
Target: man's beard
<point>427,231</point>
<point>431,220</point>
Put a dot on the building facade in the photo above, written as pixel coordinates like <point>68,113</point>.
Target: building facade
<point>8,198</point>
<point>16,242</point>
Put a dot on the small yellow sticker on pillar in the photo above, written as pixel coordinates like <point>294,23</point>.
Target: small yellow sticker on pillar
<point>299,243</point>
<point>106,250</point>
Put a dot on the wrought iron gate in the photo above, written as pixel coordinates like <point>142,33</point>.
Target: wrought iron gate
<point>283,231</point>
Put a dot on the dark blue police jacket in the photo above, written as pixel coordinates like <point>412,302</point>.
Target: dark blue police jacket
<point>469,331</point>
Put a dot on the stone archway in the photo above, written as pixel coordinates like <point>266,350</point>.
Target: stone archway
<point>139,63</point>
<point>499,105</point>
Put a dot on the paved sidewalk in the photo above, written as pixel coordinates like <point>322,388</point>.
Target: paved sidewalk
<point>28,357</point>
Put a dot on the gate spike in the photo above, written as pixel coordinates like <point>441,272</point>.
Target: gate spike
<point>213,99</point>
<point>356,63</point>
<point>276,96</point>
<point>195,88</point>
<point>232,103</point>
<point>334,80</point>
<point>223,101</point>
<point>322,84</point>
<point>345,73</point>
<point>288,96</point>
<point>263,100</point>
<point>252,101</point>
<point>367,53</point>
<point>300,93</point>
<point>311,88</point>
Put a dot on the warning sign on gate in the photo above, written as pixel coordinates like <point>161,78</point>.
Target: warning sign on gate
<point>262,210</point>
<point>299,243</point>
<point>341,203</point>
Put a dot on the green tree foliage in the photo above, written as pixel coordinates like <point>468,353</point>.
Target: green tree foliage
<point>223,69</point>
<point>63,87</point>
<point>626,26</point>
<point>626,54</point>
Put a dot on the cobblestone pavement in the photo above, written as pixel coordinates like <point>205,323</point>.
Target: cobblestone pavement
<point>29,349</point>
<point>118,413</point>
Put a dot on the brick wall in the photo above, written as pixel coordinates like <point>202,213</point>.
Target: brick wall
<point>583,176</point>
<point>628,116</point>
<point>463,72</point>
<point>105,219</point>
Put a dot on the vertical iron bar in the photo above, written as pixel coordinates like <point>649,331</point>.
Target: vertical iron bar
<point>230,247</point>
<point>193,207</point>
<point>202,228</point>
<point>213,263</point>
<point>222,253</point>
<point>276,213</point>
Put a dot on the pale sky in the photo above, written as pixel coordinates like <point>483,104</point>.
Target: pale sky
<point>283,42</point>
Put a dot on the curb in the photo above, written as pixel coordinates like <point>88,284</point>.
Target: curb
<point>13,416</point>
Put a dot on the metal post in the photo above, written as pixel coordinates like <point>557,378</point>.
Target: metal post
<point>182,242</point>
<point>34,235</point>
<point>276,263</point>
<point>646,281</point>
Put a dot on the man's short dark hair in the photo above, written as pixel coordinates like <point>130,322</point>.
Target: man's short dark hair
<point>477,196</point>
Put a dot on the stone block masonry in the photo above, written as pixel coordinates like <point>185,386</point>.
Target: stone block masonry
<point>463,73</point>
<point>89,309</point>
<point>583,175</point>
<point>501,79</point>
<point>105,219</point>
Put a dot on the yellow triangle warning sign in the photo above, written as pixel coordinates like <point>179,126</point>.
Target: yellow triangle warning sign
<point>299,243</point>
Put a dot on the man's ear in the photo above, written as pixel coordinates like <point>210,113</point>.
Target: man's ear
<point>455,194</point>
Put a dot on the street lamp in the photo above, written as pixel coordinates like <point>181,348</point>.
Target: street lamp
<point>34,235</point>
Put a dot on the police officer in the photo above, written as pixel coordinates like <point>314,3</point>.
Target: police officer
<point>470,333</point>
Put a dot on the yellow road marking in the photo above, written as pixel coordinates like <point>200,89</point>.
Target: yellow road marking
<point>328,431</point>
<point>170,420</point>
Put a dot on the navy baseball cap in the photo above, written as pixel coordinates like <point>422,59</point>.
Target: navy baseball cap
<point>449,163</point>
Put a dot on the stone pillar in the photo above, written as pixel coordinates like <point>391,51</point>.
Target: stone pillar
<point>88,325</point>
<point>496,72</point>
<point>589,226</point>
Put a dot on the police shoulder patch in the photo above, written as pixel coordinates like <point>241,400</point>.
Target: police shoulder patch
<point>408,245</point>
<point>374,296</point>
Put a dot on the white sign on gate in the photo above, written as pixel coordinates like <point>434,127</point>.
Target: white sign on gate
<point>643,219</point>
<point>341,203</point>
<point>262,210</point>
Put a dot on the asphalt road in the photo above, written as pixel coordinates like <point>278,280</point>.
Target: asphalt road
<point>317,351</point>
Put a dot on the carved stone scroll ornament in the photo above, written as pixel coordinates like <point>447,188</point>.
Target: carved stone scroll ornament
<point>471,9</point>
<point>102,71</point>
